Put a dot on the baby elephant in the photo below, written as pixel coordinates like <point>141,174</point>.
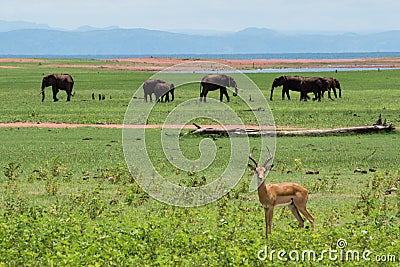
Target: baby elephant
<point>162,90</point>
<point>158,87</point>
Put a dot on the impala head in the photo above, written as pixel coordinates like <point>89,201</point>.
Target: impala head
<point>261,170</point>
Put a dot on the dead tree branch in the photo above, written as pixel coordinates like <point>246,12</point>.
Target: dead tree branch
<point>255,132</point>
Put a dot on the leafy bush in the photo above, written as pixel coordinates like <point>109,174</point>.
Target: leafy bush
<point>12,171</point>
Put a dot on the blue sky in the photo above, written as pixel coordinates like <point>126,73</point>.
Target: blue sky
<point>224,15</point>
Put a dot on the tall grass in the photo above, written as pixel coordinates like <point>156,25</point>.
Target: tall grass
<point>67,198</point>
<point>74,202</point>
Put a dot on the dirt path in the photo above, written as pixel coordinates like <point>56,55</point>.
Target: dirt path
<point>157,64</point>
<point>136,126</point>
<point>55,125</point>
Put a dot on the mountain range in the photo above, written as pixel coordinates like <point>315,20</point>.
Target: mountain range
<point>25,38</point>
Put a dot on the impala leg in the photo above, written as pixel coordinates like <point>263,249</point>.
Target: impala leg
<point>296,214</point>
<point>308,215</point>
<point>270,215</point>
<point>266,211</point>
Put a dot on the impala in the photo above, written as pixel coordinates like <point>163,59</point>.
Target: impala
<point>283,194</point>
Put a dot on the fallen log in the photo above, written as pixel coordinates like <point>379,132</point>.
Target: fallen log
<point>256,132</point>
<point>345,130</point>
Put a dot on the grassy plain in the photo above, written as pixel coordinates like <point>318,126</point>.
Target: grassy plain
<point>366,94</point>
<point>67,198</point>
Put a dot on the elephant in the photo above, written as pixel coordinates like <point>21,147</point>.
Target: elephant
<point>58,82</point>
<point>149,89</point>
<point>336,85</point>
<point>288,83</point>
<point>162,90</point>
<point>316,85</point>
<point>332,85</point>
<point>213,82</point>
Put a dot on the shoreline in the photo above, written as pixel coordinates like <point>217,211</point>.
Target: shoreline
<point>160,63</point>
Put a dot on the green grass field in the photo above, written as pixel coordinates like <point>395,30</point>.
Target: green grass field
<point>366,94</point>
<point>67,198</point>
